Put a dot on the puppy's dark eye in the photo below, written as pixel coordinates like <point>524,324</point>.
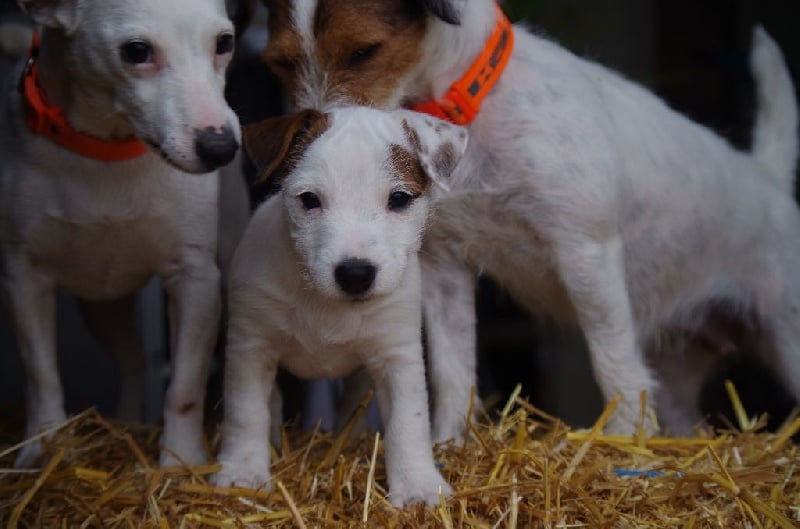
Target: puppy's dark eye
<point>224,43</point>
<point>399,200</point>
<point>309,201</point>
<point>362,55</point>
<point>136,52</point>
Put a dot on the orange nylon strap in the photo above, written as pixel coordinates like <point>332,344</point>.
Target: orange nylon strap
<point>463,101</point>
<point>48,121</point>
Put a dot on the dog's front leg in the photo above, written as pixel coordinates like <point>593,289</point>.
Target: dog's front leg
<point>193,289</point>
<point>593,274</point>
<point>449,309</point>
<point>250,391</point>
<point>403,402</point>
<point>30,300</point>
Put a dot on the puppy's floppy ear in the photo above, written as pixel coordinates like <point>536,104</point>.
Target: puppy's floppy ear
<point>447,10</point>
<point>275,144</point>
<point>439,145</point>
<point>59,14</point>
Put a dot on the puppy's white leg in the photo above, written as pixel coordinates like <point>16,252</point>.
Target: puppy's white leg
<point>449,308</point>
<point>30,300</point>
<point>403,401</point>
<point>111,322</point>
<point>249,383</point>
<point>594,277</point>
<point>194,308</point>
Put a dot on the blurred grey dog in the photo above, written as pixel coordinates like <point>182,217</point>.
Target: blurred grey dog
<point>102,127</point>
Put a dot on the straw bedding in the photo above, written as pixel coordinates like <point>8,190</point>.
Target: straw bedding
<point>522,469</point>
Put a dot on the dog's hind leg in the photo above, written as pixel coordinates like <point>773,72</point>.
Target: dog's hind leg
<point>448,300</point>
<point>594,276</point>
<point>193,289</point>
<point>111,323</point>
<point>30,299</point>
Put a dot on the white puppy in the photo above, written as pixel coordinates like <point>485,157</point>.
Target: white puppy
<point>86,206</point>
<point>326,280</point>
<point>582,193</point>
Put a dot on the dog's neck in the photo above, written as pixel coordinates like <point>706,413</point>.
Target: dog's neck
<point>87,105</point>
<point>449,50</point>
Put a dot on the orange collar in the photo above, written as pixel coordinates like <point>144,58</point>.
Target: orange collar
<point>462,102</point>
<point>49,121</point>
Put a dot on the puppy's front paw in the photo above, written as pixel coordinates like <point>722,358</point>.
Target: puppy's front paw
<point>190,456</point>
<point>423,488</point>
<point>245,472</point>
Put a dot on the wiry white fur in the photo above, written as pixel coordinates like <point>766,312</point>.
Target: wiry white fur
<point>101,230</point>
<point>285,306</point>
<point>591,200</point>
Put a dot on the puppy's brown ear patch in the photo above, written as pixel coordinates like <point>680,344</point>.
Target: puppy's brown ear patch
<point>275,144</point>
<point>406,166</point>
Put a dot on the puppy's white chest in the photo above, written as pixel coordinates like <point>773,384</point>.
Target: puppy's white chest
<point>320,344</point>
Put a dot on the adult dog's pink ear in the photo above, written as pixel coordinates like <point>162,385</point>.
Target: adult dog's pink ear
<point>59,14</point>
<point>276,144</point>
<point>447,10</point>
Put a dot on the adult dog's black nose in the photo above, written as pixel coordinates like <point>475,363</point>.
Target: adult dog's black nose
<point>215,147</point>
<point>355,276</point>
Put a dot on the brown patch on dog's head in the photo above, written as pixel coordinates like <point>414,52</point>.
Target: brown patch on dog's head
<point>406,166</point>
<point>276,144</point>
<point>413,137</point>
<point>362,49</point>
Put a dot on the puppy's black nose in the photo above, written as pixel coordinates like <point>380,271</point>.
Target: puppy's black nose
<point>355,276</point>
<point>215,147</point>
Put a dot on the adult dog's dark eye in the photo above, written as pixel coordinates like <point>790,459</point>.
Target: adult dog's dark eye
<point>362,55</point>
<point>224,43</point>
<point>136,52</point>
<point>309,201</point>
<point>399,200</point>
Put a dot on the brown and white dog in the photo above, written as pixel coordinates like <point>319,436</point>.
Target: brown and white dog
<point>337,285</point>
<point>580,192</point>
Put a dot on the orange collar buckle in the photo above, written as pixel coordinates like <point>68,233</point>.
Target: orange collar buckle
<point>462,102</point>
<point>49,121</point>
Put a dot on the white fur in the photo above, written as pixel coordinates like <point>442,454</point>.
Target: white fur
<point>100,230</point>
<point>591,200</point>
<point>286,307</point>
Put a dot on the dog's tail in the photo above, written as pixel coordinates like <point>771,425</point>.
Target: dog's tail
<point>775,137</point>
<point>15,38</point>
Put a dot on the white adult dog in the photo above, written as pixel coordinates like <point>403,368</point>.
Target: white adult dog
<point>581,193</point>
<point>326,280</point>
<point>86,206</point>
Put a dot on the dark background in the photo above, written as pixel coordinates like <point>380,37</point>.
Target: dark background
<point>693,54</point>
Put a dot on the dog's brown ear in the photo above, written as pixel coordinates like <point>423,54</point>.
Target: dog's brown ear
<point>447,10</point>
<point>61,14</point>
<point>275,144</point>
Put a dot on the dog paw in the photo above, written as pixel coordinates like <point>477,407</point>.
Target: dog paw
<point>243,472</point>
<point>28,456</point>
<point>425,489</point>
